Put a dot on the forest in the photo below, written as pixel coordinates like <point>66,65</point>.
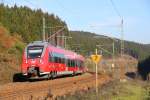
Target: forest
<point>27,22</point>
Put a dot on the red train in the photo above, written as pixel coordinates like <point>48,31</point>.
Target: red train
<point>41,59</point>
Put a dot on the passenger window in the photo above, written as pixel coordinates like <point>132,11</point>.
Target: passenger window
<point>73,63</point>
<point>51,59</point>
<point>69,63</point>
<point>63,60</point>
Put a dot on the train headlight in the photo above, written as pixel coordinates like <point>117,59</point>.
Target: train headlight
<point>26,61</point>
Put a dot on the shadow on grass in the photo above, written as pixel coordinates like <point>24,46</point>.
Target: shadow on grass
<point>131,75</point>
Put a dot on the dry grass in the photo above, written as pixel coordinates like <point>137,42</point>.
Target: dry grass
<point>115,90</point>
<point>10,55</point>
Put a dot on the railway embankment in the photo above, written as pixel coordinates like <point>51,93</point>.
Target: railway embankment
<point>50,88</point>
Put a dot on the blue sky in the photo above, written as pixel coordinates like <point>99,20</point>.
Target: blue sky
<point>99,16</point>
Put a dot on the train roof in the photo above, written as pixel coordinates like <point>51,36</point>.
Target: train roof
<point>58,51</point>
<point>39,43</point>
<point>66,53</point>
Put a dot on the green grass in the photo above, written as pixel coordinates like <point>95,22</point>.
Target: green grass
<point>130,92</point>
<point>115,90</point>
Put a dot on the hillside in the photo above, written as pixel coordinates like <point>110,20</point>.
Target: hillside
<point>11,48</point>
<point>88,42</point>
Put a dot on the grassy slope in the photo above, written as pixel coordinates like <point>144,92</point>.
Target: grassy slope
<point>10,55</point>
<point>115,90</point>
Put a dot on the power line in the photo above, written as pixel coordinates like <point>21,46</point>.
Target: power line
<point>115,8</point>
<point>121,26</point>
<point>122,77</point>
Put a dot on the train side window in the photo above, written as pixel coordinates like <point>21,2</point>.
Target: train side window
<point>73,63</point>
<point>63,60</point>
<point>50,58</point>
<point>56,59</point>
<point>66,62</point>
<point>78,63</point>
<point>69,63</point>
<point>59,60</point>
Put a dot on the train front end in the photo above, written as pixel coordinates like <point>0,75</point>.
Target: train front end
<point>33,62</point>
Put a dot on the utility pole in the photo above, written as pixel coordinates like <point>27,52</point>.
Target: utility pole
<point>122,38</point>
<point>113,45</point>
<point>44,29</point>
<point>122,78</point>
<point>96,76</point>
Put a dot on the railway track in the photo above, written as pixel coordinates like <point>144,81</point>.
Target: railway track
<point>54,88</point>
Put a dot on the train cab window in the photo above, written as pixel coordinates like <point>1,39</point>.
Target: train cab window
<point>34,51</point>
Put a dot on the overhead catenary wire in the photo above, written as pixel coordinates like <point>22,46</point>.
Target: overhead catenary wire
<point>115,9</point>
<point>121,26</point>
<point>122,77</point>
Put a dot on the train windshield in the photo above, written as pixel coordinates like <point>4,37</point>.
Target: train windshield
<point>35,51</point>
